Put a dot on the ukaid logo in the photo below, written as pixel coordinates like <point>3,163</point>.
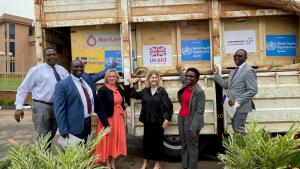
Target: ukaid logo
<point>155,55</point>
<point>193,50</point>
<point>281,45</point>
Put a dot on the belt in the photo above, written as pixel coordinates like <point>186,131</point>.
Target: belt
<point>41,101</point>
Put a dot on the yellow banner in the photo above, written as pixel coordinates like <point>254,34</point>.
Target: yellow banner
<point>93,59</point>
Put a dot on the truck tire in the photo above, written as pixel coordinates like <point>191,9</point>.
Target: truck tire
<point>172,145</point>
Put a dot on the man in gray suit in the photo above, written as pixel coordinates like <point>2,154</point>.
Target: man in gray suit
<point>242,86</point>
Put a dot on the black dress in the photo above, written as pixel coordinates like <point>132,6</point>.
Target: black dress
<point>155,109</point>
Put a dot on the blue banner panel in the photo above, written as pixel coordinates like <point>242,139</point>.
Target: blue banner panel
<point>111,55</point>
<point>195,50</point>
<point>281,45</point>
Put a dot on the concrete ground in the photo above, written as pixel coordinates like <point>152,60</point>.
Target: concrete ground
<point>13,133</point>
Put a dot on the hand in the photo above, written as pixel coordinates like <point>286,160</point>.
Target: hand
<point>231,102</point>
<point>19,113</point>
<point>114,64</point>
<point>165,124</point>
<point>192,135</point>
<point>215,70</point>
<point>130,80</point>
<point>65,135</point>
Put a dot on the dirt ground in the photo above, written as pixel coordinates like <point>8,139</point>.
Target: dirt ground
<point>13,133</point>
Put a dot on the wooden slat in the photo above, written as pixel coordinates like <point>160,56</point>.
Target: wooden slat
<point>168,10</point>
<point>174,17</point>
<point>80,22</point>
<point>258,12</point>
<point>140,3</point>
<point>76,2</point>
<point>80,7</point>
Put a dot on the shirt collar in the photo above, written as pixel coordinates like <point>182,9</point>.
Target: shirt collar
<point>241,65</point>
<point>76,78</point>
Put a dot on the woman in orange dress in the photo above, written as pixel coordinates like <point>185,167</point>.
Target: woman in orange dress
<point>110,109</point>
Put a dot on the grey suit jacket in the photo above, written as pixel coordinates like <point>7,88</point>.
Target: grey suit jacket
<point>195,120</point>
<point>241,88</point>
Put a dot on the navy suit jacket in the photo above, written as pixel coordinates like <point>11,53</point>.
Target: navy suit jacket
<point>68,107</point>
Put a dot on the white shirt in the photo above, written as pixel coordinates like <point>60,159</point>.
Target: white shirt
<point>241,66</point>
<point>82,95</point>
<point>41,81</point>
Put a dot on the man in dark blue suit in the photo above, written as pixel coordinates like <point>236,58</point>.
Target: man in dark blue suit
<point>74,101</point>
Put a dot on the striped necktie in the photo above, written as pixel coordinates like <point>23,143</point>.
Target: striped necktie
<point>87,97</point>
<point>57,77</point>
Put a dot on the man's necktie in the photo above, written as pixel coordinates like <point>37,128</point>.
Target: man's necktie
<point>56,74</point>
<point>87,97</point>
<point>235,71</point>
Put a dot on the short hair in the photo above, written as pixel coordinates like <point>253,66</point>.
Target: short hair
<point>196,71</point>
<point>243,50</point>
<point>108,71</point>
<point>49,48</point>
<point>152,72</point>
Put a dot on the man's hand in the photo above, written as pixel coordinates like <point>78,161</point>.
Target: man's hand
<point>231,102</point>
<point>19,114</point>
<point>192,135</point>
<point>65,135</point>
<point>215,70</point>
<point>134,80</point>
<point>165,124</point>
<point>113,64</point>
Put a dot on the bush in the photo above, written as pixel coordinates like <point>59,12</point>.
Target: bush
<point>39,156</point>
<point>257,150</point>
<point>4,164</point>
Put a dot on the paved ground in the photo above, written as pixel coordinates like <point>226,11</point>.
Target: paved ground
<point>13,133</point>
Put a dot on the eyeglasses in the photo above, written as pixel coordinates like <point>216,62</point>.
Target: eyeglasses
<point>189,76</point>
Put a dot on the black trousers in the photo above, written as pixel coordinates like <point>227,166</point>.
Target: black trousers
<point>153,141</point>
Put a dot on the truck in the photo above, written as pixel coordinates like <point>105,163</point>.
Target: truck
<point>161,34</point>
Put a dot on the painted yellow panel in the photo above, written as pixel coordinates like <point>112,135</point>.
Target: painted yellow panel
<point>93,59</point>
<point>90,43</point>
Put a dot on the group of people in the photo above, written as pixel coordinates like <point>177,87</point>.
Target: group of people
<point>68,101</point>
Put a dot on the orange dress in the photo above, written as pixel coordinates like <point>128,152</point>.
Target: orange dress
<point>113,144</point>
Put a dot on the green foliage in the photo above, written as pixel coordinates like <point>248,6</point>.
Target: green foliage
<point>257,150</point>
<point>10,84</point>
<point>4,164</point>
<point>7,102</point>
<point>39,156</point>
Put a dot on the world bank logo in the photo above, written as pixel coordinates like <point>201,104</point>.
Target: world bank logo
<point>271,45</point>
<point>187,50</point>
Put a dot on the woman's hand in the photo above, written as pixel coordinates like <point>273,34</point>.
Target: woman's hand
<point>134,80</point>
<point>165,124</point>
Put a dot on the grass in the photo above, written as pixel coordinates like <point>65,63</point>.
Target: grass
<point>10,84</point>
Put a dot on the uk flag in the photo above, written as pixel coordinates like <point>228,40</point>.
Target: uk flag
<point>158,51</point>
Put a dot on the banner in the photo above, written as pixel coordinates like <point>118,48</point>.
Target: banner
<point>92,58</point>
<point>157,55</point>
<point>103,39</point>
<point>281,45</point>
<point>234,40</point>
<point>111,55</point>
<point>195,50</point>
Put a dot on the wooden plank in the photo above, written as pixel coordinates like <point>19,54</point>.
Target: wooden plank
<point>79,7</point>
<point>282,25</point>
<point>232,24</point>
<point>178,43</point>
<point>234,6</point>
<point>195,30</point>
<point>174,17</point>
<point>61,16</point>
<point>80,22</point>
<point>214,28</point>
<point>76,2</point>
<point>125,44</point>
<point>168,10</point>
<point>258,12</point>
<point>141,3</point>
<point>39,36</point>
